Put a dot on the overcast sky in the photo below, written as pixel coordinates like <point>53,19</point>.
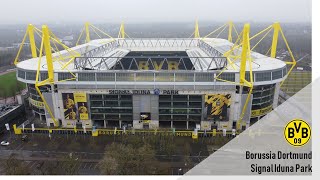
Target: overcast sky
<point>131,11</point>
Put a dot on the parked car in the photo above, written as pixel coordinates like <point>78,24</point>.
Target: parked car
<point>5,143</point>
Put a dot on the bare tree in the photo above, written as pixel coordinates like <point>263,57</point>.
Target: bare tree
<point>14,166</point>
<point>126,160</point>
<point>69,165</point>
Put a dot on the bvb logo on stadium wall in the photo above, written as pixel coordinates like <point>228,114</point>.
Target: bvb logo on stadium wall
<point>297,132</point>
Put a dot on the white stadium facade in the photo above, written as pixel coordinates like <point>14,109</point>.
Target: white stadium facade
<point>152,83</point>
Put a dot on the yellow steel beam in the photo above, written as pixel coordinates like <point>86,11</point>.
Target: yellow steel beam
<point>47,48</point>
<point>265,35</point>
<point>245,106</point>
<point>276,28</point>
<point>122,33</point>
<point>77,43</point>
<point>252,37</point>
<point>245,52</point>
<point>104,33</point>
<point>32,41</point>
<point>293,62</point>
<point>20,48</point>
<point>45,40</point>
<point>235,30</point>
<point>196,30</point>
<point>230,31</point>
<point>245,56</point>
<point>215,31</point>
<point>87,32</point>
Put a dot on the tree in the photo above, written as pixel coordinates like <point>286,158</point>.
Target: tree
<point>69,165</point>
<point>125,160</point>
<point>167,145</point>
<point>48,168</point>
<point>108,166</point>
<point>14,166</point>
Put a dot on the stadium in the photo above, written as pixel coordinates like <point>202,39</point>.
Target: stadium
<point>191,83</point>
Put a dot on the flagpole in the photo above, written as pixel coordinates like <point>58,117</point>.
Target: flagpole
<point>32,129</point>
<point>8,129</point>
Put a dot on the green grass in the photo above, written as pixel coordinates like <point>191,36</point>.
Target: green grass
<point>9,85</point>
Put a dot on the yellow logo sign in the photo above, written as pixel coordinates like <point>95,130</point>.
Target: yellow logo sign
<point>297,132</point>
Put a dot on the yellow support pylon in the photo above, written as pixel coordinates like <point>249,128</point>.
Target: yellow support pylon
<point>244,53</point>
<point>87,32</point>
<point>46,44</point>
<point>47,48</point>
<point>245,56</point>
<point>30,33</point>
<point>230,31</point>
<point>196,30</point>
<point>122,33</point>
<point>32,41</point>
<point>276,28</point>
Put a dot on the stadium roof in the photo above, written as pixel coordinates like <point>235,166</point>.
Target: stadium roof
<point>112,54</point>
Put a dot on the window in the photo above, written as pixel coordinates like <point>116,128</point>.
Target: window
<point>144,77</point>
<point>184,77</point>
<point>21,74</point>
<point>125,76</point>
<point>31,76</point>
<point>204,77</point>
<point>285,71</point>
<point>247,76</point>
<point>95,97</point>
<point>105,76</point>
<point>263,76</point>
<point>227,76</point>
<point>164,77</point>
<point>64,76</point>
<point>276,74</point>
<point>44,76</point>
<point>86,77</point>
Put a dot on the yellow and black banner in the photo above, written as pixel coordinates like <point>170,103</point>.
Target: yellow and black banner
<point>35,103</point>
<point>81,100</point>
<point>217,106</point>
<point>260,112</point>
<point>145,117</point>
<point>70,111</point>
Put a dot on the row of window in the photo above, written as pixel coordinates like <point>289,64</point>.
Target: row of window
<point>263,96</point>
<point>111,103</point>
<point>164,98</point>
<point>111,110</point>
<point>180,117</point>
<point>179,111</point>
<point>116,117</point>
<point>157,77</point>
<point>109,97</point>
<point>180,104</point>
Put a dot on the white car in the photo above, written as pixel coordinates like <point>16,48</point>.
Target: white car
<point>5,143</point>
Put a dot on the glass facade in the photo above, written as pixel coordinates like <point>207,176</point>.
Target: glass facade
<point>181,110</point>
<point>34,96</point>
<point>180,107</point>
<point>111,108</point>
<point>262,96</point>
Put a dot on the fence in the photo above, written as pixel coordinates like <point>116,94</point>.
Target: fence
<point>119,132</point>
